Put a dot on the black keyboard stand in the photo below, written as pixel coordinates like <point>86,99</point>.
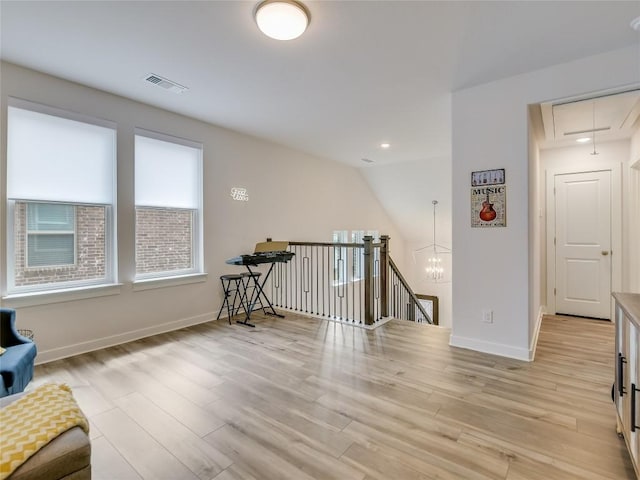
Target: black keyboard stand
<point>258,295</point>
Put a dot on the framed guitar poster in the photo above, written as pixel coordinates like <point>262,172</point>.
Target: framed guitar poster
<point>488,198</point>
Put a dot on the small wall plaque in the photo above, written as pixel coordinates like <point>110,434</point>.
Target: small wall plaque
<point>239,194</point>
<point>488,177</point>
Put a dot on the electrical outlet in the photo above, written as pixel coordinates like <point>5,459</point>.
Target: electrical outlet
<point>487,316</point>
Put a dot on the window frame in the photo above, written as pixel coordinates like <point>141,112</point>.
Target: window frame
<point>340,274</point>
<point>353,266</point>
<point>38,233</point>
<point>46,290</point>
<point>357,269</point>
<point>197,228</point>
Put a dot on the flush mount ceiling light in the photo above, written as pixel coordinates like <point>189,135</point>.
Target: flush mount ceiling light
<point>282,19</point>
<point>583,139</point>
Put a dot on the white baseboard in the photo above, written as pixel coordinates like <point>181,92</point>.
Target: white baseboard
<point>53,354</point>
<point>490,347</point>
<point>534,340</point>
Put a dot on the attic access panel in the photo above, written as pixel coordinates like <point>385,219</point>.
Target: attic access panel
<point>613,117</point>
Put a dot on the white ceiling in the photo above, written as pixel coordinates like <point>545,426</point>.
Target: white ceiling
<point>365,72</point>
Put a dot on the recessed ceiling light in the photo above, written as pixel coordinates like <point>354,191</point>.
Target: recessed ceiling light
<point>385,145</point>
<point>583,139</point>
<point>282,19</point>
<point>635,24</point>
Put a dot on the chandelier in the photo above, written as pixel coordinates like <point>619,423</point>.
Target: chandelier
<point>438,256</point>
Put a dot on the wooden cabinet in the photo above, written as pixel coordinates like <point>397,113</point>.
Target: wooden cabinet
<point>627,372</point>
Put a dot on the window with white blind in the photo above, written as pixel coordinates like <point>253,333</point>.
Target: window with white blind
<point>357,236</point>
<point>340,258</point>
<point>61,171</point>
<point>168,198</point>
<point>348,263</point>
<point>51,232</point>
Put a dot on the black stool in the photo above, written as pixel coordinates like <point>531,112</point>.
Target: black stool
<point>233,284</point>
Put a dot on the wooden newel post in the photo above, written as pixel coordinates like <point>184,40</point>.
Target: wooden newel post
<point>384,276</point>
<point>368,280</point>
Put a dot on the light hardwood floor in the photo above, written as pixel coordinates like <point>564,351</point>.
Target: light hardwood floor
<point>300,398</point>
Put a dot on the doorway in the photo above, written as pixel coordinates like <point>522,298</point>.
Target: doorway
<point>584,216</point>
<point>581,146</point>
<point>583,244</point>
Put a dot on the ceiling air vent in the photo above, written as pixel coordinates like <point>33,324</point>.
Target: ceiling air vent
<point>165,83</point>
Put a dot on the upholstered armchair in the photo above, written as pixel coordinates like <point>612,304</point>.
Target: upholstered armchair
<point>16,362</point>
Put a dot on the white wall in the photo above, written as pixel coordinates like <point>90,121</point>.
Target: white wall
<point>579,158</point>
<point>537,297</point>
<point>293,196</point>
<point>635,148</point>
<point>632,234</point>
<point>492,268</point>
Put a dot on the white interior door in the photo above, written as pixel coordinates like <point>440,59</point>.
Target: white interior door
<point>583,244</point>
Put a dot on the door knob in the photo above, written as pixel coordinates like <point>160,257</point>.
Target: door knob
<point>605,252</point>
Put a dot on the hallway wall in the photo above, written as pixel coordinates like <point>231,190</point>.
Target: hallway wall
<point>492,267</point>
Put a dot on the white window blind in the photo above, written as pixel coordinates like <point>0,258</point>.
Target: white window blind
<point>61,194</point>
<point>168,198</point>
<point>56,159</point>
<point>167,174</point>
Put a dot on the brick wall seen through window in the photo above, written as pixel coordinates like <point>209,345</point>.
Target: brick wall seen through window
<point>90,249</point>
<point>164,241</point>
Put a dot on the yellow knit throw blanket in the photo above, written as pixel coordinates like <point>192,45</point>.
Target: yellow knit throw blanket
<point>33,420</point>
